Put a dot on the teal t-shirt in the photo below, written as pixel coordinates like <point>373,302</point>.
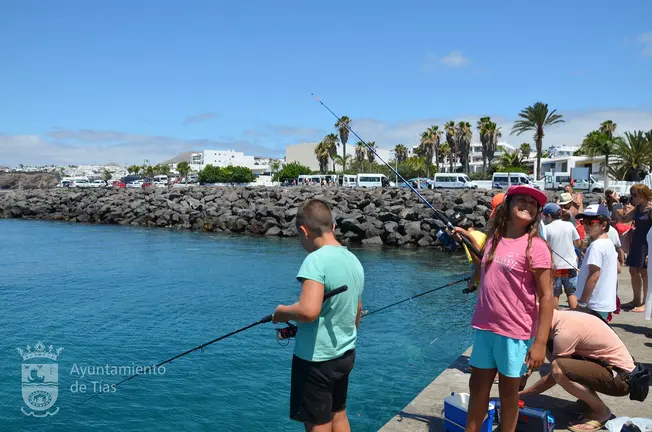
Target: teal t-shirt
<point>334,332</point>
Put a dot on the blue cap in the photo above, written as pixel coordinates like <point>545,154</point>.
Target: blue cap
<point>551,209</point>
<point>594,210</point>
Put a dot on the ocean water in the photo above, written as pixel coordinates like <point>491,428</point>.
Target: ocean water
<point>118,297</point>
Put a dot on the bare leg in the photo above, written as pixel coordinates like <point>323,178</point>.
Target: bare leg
<point>480,387</point>
<point>644,280</point>
<point>572,301</point>
<point>636,285</point>
<point>508,388</point>
<point>556,302</point>
<point>598,410</point>
<point>341,422</point>
<point>326,427</point>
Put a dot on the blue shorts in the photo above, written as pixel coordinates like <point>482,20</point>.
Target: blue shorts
<point>493,351</point>
<point>568,283</point>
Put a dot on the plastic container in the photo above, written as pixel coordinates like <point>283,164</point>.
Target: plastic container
<point>456,407</point>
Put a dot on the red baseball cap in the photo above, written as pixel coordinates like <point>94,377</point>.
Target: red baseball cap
<point>535,193</point>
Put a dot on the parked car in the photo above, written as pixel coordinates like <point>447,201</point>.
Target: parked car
<point>135,184</point>
<point>119,184</point>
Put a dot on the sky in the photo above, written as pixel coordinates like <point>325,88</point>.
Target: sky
<point>127,81</point>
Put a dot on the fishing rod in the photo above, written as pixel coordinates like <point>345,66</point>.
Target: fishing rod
<point>201,347</point>
<point>439,213</point>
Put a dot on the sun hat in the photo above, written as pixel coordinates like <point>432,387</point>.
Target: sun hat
<point>552,209</point>
<point>497,200</point>
<point>565,198</point>
<point>528,190</point>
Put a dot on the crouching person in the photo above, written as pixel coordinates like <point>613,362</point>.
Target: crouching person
<point>587,358</point>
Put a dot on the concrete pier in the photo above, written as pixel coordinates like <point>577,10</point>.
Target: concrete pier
<point>425,412</point>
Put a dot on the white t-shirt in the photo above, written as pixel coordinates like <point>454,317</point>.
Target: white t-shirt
<point>601,253</point>
<point>560,235</point>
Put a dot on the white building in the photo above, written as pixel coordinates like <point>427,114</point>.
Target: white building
<point>221,158</point>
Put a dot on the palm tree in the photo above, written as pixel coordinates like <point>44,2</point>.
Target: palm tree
<point>134,169</point>
<point>360,154</point>
<point>452,143</point>
<point>635,154</point>
<point>598,143</point>
<point>463,135</point>
<point>401,153</point>
<point>525,149</point>
<point>184,169</point>
<point>321,152</point>
<point>535,118</point>
<point>493,133</point>
<point>482,130</point>
<point>341,127</point>
<point>339,160</point>
<point>435,139</point>
<point>330,143</point>
<point>370,155</point>
<point>426,149</point>
<point>608,127</point>
<point>444,151</point>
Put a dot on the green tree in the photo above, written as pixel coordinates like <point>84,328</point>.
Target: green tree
<point>525,150</point>
<point>342,129</point>
<point>370,154</point>
<point>291,171</point>
<point>451,140</point>
<point>106,175</point>
<point>536,118</point>
<point>339,160</point>
<point>134,169</point>
<point>463,135</point>
<point>599,143</point>
<point>635,155</point>
<point>183,168</point>
<point>210,174</point>
<point>401,153</point>
<point>330,145</point>
<point>322,155</point>
<point>237,174</point>
<point>148,171</point>
<point>444,151</point>
<point>360,154</point>
<point>484,139</point>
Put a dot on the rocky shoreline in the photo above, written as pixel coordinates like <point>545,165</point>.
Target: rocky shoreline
<point>393,217</point>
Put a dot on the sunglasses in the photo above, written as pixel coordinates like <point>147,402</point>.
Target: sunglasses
<point>587,221</point>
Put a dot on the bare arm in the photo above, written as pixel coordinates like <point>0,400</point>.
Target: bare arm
<point>359,315</point>
<point>457,232</point>
<point>544,384</point>
<point>591,281</point>
<point>537,353</point>
<point>307,309</point>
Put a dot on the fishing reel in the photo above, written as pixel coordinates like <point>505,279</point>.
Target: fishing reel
<point>470,290</point>
<point>447,240</point>
<point>286,333</point>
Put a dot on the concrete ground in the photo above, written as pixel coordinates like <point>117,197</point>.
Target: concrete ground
<point>425,412</point>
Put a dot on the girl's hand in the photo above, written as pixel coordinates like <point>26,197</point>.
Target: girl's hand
<point>535,356</point>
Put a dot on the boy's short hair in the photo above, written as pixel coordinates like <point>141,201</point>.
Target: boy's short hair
<point>316,216</point>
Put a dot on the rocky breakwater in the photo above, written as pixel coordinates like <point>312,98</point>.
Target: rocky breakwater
<point>393,217</point>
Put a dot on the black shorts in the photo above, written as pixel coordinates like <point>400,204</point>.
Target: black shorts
<point>319,389</point>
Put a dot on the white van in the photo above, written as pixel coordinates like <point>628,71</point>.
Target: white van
<point>503,180</point>
<point>453,180</point>
<point>372,180</point>
<point>348,180</point>
<point>559,180</point>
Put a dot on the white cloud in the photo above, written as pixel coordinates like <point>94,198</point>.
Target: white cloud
<point>454,59</point>
<point>64,146</point>
<point>646,40</point>
<point>198,118</point>
<point>572,132</point>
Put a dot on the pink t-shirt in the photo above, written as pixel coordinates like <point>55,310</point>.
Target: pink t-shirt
<point>507,303</point>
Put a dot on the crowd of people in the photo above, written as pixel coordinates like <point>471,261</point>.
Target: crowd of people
<point>533,252</point>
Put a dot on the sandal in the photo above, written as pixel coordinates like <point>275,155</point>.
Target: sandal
<point>639,309</point>
<point>594,426</point>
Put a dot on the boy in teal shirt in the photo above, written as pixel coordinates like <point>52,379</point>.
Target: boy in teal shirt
<point>324,351</point>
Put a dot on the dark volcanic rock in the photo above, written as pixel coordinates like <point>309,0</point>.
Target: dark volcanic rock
<point>369,216</point>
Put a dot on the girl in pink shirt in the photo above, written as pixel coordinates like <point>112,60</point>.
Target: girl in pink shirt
<point>511,328</point>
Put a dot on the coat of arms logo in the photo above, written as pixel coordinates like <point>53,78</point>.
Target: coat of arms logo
<point>40,380</point>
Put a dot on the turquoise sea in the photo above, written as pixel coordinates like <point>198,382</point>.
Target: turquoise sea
<point>119,297</point>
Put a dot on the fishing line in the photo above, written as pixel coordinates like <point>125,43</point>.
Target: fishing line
<point>201,347</point>
<point>439,213</point>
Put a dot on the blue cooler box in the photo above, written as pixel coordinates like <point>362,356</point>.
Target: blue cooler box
<point>455,409</point>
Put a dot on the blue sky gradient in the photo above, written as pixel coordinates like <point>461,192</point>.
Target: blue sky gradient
<point>124,81</point>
